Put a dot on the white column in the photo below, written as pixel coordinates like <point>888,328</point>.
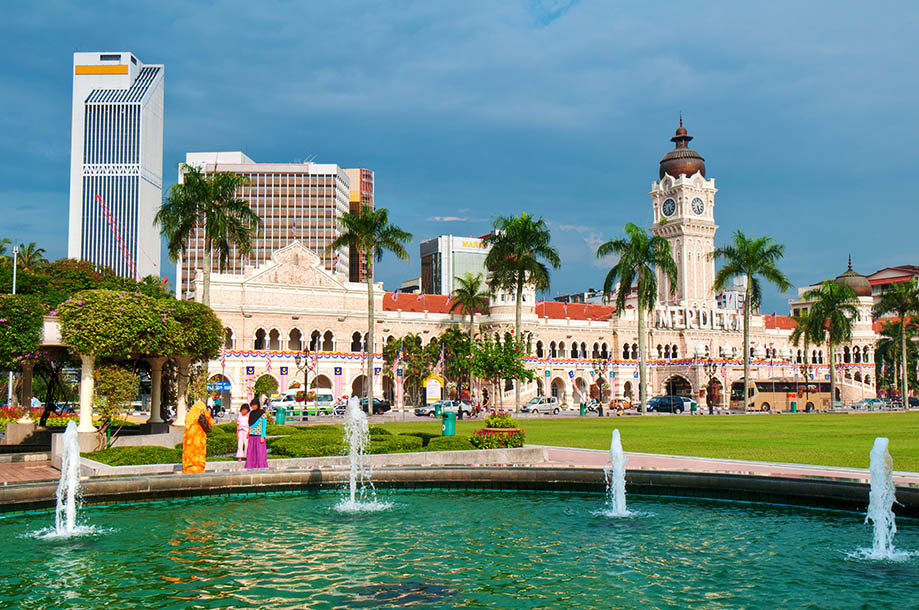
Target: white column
<point>182,365</point>
<point>87,384</point>
<point>26,390</point>
<point>156,389</point>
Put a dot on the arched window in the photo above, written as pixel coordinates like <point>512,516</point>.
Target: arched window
<point>259,343</point>
<point>820,356</point>
<point>798,357</point>
<point>583,350</point>
<point>867,378</point>
<point>228,338</point>
<point>857,354</point>
<point>674,353</point>
<point>356,342</point>
<point>553,352</point>
<point>314,341</point>
<point>574,350</point>
<point>734,352</point>
<point>846,355</point>
<point>625,352</point>
<point>604,351</point>
<point>595,353</point>
<point>539,349</point>
<point>328,342</point>
<point>561,349</point>
<point>858,376</point>
<point>274,339</point>
<point>866,354</point>
<point>634,351</point>
<point>660,351</point>
<point>666,353</point>
<point>814,357</point>
<point>294,340</point>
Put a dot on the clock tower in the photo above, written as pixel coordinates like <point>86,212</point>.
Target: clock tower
<point>683,202</point>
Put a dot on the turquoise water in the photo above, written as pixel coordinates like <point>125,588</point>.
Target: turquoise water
<point>454,550</point>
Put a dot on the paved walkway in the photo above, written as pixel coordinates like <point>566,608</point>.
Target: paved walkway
<point>23,472</point>
<point>593,458</point>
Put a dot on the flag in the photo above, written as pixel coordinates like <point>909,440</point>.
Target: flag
<point>724,370</point>
<point>268,361</point>
<point>440,362</point>
<point>362,359</point>
<point>315,360</point>
<point>223,357</point>
<point>883,367</point>
<point>335,261</point>
<point>420,296</point>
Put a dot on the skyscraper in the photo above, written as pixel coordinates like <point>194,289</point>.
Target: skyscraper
<point>296,201</point>
<point>116,162</point>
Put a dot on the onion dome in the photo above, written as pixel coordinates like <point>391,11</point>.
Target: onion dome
<point>856,281</point>
<point>682,159</point>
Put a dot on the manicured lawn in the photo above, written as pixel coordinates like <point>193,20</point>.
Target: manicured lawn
<point>825,439</point>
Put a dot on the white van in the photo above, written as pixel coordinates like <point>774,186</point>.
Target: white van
<point>321,405</point>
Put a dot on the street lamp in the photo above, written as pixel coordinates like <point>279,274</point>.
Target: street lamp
<point>709,367</point>
<point>9,386</point>
<point>303,365</point>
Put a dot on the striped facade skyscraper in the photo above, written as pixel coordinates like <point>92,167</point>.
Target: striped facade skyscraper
<point>116,162</point>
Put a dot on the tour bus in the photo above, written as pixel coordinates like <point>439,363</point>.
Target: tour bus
<point>779,394</point>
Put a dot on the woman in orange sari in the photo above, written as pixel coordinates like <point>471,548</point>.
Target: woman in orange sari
<point>198,423</point>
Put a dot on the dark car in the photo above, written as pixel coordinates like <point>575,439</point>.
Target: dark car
<point>379,406</point>
<point>913,402</point>
<point>666,404</point>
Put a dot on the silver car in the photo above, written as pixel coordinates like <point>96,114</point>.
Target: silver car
<point>542,404</point>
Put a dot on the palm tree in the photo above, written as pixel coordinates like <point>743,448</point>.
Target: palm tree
<point>750,258</point>
<point>31,257</point>
<point>888,347</point>
<point>804,332</point>
<point>369,232</point>
<point>211,200</point>
<point>469,298</point>
<point>834,313</point>
<point>4,242</point>
<point>641,255</point>
<point>519,244</point>
<point>901,299</point>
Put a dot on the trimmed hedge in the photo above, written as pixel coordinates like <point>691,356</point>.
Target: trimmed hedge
<point>400,443</point>
<point>218,444</point>
<point>450,443</point>
<point>130,456</point>
<point>424,436</point>
<point>307,445</point>
<point>379,431</point>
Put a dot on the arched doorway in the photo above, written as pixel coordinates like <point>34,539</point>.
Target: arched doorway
<point>540,388</point>
<point>559,390</point>
<point>225,395</point>
<point>357,386</point>
<point>265,386</point>
<point>677,385</point>
<point>627,391</point>
<point>389,390</point>
<point>321,381</point>
<point>714,393</point>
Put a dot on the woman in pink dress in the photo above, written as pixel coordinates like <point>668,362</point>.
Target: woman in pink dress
<point>242,433</point>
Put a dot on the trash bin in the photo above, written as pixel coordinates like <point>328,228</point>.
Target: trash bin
<point>794,406</point>
<point>693,407</point>
<point>280,416</point>
<point>448,428</point>
<point>438,410</point>
<point>583,409</point>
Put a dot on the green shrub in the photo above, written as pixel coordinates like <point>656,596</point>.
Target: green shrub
<point>379,431</point>
<point>229,428</point>
<point>450,443</point>
<point>424,436</point>
<point>494,439</point>
<point>131,456</point>
<point>278,430</point>
<point>306,445</point>
<point>328,429</point>
<point>500,421</point>
<point>401,443</point>
<point>218,444</point>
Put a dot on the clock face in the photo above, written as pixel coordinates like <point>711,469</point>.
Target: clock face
<point>698,206</point>
<point>669,207</point>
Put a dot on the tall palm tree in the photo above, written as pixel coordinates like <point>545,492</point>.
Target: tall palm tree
<point>641,255</point>
<point>834,313</point>
<point>469,297</point>
<point>888,347</point>
<point>369,232</point>
<point>804,332</point>
<point>210,200</point>
<point>4,243</point>
<point>519,245</point>
<point>31,257</point>
<point>901,299</point>
<point>750,258</point>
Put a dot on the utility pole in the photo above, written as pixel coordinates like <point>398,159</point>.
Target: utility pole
<point>9,386</point>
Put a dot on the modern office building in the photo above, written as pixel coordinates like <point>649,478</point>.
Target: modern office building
<point>592,297</point>
<point>446,258</point>
<point>361,193</point>
<point>116,162</point>
<point>296,202</point>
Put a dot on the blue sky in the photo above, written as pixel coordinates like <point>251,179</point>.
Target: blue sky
<point>806,112</point>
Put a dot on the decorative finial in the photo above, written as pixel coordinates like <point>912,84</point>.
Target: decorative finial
<point>850,261</point>
<point>681,118</point>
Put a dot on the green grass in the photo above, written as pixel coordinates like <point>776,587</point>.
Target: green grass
<point>824,439</point>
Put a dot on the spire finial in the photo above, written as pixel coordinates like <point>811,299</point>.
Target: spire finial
<point>850,261</point>
<point>681,118</point>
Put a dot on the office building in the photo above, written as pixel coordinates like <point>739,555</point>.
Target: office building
<point>361,193</point>
<point>446,258</point>
<point>116,162</point>
<point>296,202</point>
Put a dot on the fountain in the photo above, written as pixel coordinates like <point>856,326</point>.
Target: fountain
<point>68,488</point>
<point>357,436</point>
<point>615,480</point>
<point>880,501</point>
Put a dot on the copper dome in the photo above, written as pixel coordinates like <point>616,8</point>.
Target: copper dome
<point>682,159</point>
<point>856,281</point>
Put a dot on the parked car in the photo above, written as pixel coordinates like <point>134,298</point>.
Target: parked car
<point>666,404</point>
<point>379,406</point>
<point>542,404</point>
<point>870,404</point>
<point>425,410</point>
<point>913,402</point>
<point>444,405</point>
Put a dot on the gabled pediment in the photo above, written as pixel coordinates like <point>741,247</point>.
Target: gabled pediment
<point>296,265</point>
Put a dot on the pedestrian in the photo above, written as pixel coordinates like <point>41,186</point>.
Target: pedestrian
<point>210,404</point>
<point>194,440</point>
<point>257,451</point>
<point>218,405</point>
<point>242,432</point>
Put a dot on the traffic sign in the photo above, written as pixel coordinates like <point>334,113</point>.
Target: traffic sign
<point>218,386</point>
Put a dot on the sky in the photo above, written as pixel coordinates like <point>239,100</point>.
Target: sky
<point>805,112</point>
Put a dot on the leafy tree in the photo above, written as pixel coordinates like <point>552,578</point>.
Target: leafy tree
<point>4,244</point>
<point>521,253</point>
<point>210,200</point>
<point>266,384</point>
<point>641,255</point>
<point>415,366</point>
<point>31,257</point>
<point>497,360</point>
<point>834,313</point>
<point>902,300</point>
<point>469,298</point>
<point>370,233</point>
<point>888,352</point>
<point>20,328</point>
<point>750,258</point>
<point>805,332</point>
<point>114,390</point>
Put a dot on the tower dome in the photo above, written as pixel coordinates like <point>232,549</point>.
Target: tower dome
<point>682,159</point>
<point>856,281</point>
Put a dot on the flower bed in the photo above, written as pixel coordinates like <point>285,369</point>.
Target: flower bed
<point>500,432</point>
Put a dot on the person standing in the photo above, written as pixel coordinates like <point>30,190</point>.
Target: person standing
<point>257,451</point>
<point>242,433</point>
<point>198,424</point>
<point>218,405</point>
<point>210,404</point>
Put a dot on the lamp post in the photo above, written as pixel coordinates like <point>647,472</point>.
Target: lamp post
<point>9,386</point>
<point>709,367</point>
<point>303,365</point>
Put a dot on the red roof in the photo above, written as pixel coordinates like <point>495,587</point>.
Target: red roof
<point>780,322</point>
<point>576,311</point>
<point>890,280</point>
<point>432,303</point>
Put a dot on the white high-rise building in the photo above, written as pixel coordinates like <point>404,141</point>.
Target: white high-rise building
<point>116,162</point>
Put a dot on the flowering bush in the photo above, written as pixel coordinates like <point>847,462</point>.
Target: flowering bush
<point>497,438</point>
<point>500,420</point>
<point>20,328</point>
